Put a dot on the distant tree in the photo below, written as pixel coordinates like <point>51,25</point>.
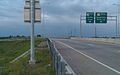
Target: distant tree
<point>10,36</point>
<point>17,36</point>
<point>38,35</point>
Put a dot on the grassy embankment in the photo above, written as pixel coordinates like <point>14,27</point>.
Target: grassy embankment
<point>12,49</point>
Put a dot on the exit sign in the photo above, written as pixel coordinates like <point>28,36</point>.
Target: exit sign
<point>89,17</point>
<point>101,17</point>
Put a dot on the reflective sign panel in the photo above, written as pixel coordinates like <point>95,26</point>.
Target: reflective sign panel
<point>27,11</point>
<point>37,15</point>
<point>37,11</point>
<point>89,17</point>
<point>27,15</point>
<point>101,17</point>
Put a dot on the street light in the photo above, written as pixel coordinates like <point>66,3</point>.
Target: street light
<point>118,17</point>
<point>44,19</point>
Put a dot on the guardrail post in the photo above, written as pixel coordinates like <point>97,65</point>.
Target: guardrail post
<point>55,61</point>
<point>63,68</point>
<point>60,65</point>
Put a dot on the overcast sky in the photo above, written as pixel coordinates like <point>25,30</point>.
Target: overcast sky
<point>61,17</point>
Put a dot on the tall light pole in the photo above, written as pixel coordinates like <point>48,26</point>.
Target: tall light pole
<point>44,19</point>
<point>81,35</point>
<point>118,18</point>
<point>43,23</point>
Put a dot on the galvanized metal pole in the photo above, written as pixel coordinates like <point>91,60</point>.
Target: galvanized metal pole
<point>81,26</point>
<point>32,54</point>
<point>43,23</point>
<point>95,31</point>
<point>118,18</point>
<point>118,14</point>
<point>116,27</point>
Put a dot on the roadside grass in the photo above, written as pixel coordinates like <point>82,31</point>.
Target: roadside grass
<point>11,49</point>
<point>43,64</point>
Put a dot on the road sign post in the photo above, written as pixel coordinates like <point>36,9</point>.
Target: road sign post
<point>32,57</point>
<point>32,15</point>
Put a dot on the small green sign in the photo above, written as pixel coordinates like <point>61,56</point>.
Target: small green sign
<point>101,17</point>
<point>89,17</point>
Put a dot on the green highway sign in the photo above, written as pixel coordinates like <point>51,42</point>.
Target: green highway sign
<point>101,17</point>
<point>89,17</point>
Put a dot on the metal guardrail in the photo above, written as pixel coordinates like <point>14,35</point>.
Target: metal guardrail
<point>60,65</point>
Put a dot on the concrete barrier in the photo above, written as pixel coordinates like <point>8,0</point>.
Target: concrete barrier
<point>105,40</point>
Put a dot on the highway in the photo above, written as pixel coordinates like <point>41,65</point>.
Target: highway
<point>90,58</point>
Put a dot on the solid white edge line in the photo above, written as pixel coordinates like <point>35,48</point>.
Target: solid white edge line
<point>116,71</point>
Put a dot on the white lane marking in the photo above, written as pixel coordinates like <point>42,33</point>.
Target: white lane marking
<point>91,45</point>
<point>119,51</point>
<point>112,69</point>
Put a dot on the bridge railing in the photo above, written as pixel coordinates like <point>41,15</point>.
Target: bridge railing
<point>60,65</point>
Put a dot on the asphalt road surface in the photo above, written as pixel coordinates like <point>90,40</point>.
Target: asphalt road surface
<point>90,58</point>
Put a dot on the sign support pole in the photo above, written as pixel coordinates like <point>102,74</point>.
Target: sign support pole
<point>95,31</point>
<point>32,15</point>
<point>80,26</point>
<point>32,53</point>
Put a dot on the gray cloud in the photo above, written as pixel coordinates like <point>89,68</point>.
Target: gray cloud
<point>56,12</point>
<point>75,8</point>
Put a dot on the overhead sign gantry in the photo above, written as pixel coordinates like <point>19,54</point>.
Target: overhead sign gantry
<point>95,18</point>
<point>98,17</point>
